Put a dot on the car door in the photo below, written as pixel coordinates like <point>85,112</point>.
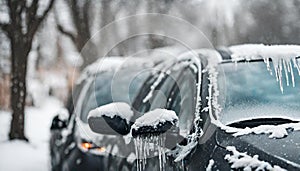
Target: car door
<point>177,91</point>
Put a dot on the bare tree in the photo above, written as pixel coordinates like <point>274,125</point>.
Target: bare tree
<point>24,22</point>
<point>80,16</point>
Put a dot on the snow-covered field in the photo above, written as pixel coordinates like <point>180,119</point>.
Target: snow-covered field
<point>33,156</point>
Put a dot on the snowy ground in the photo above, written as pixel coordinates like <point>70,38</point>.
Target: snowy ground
<point>33,156</point>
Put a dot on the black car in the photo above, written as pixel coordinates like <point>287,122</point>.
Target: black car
<point>237,108</point>
<point>72,146</point>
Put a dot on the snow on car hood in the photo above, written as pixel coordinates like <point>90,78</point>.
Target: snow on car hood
<point>286,150</point>
<point>240,160</point>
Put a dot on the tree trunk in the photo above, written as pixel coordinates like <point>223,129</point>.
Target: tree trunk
<point>19,55</point>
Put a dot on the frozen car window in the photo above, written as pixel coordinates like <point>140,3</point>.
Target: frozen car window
<point>110,87</point>
<point>184,102</point>
<point>248,90</point>
<point>161,95</point>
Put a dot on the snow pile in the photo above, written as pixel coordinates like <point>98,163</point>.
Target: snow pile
<point>275,131</point>
<point>283,58</point>
<point>243,161</point>
<point>155,117</point>
<point>111,110</point>
<point>32,155</point>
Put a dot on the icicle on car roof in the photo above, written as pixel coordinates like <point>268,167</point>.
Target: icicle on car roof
<point>283,58</point>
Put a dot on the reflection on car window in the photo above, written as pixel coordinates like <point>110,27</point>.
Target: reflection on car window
<point>161,95</point>
<point>110,87</point>
<point>184,101</point>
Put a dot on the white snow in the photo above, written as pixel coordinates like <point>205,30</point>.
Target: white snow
<point>113,64</point>
<point>113,109</point>
<point>153,86</point>
<point>101,65</point>
<point>183,151</point>
<point>283,58</point>
<point>131,158</point>
<point>274,131</point>
<point>33,156</point>
<point>63,114</point>
<point>246,162</point>
<point>155,117</point>
<point>260,51</point>
<point>210,165</point>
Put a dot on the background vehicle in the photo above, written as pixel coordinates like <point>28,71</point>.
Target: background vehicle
<point>213,130</point>
<point>71,144</point>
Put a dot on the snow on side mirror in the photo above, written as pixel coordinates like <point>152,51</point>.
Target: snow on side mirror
<point>111,119</point>
<point>155,122</point>
<point>60,120</point>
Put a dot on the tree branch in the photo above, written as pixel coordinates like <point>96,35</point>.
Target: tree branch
<point>65,32</point>
<point>46,11</point>
<point>36,21</point>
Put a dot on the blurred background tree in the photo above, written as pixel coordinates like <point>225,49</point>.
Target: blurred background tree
<point>23,23</point>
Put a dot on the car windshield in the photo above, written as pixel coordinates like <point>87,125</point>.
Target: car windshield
<point>111,87</point>
<point>249,91</point>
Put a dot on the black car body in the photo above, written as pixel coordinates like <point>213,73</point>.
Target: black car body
<point>215,131</point>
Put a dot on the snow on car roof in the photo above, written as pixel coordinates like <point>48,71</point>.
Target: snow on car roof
<point>111,64</point>
<point>283,58</point>
<point>261,51</point>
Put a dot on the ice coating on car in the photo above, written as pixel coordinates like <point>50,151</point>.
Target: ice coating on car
<point>111,110</point>
<point>182,151</point>
<point>155,117</point>
<point>241,160</point>
<point>149,146</point>
<point>283,58</point>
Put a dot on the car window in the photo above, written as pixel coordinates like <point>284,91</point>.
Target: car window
<point>161,95</point>
<point>112,87</point>
<point>183,101</point>
<point>149,99</point>
<point>139,105</point>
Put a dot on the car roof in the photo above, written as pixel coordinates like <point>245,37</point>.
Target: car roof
<point>112,64</point>
<point>258,52</point>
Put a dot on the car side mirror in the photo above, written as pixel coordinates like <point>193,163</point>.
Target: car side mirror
<point>60,120</point>
<point>111,119</point>
<point>155,122</point>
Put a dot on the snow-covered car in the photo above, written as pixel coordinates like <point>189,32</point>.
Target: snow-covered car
<point>112,79</point>
<point>236,108</point>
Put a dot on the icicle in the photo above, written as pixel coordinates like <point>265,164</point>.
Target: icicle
<point>286,64</point>
<point>146,146</point>
<point>286,72</point>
